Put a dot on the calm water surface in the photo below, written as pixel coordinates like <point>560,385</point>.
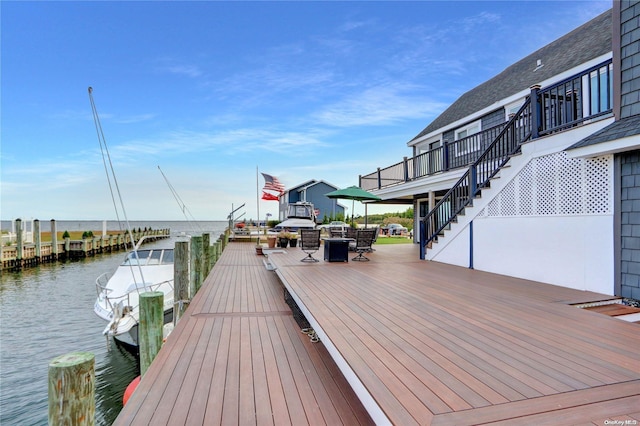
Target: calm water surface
<point>47,311</point>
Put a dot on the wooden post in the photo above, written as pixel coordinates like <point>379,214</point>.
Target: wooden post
<point>72,389</point>
<point>217,246</point>
<point>150,327</point>
<point>54,239</point>
<point>206,254</point>
<point>196,266</point>
<point>19,242</point>
<point>536,113</point>
<point>180,279</point>
<point>37,238</point>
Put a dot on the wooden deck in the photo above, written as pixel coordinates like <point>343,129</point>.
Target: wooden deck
<point>418,342</point>
<point>237,357</point>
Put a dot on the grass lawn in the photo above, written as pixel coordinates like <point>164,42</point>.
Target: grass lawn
<point>74,235</point>
<point>394,240</point>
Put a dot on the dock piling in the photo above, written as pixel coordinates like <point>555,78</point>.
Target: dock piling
<point>197,271</point>
<point>150,327</point>
<point>72,389</point>
<point>206,256</point>
<point>180,279</point>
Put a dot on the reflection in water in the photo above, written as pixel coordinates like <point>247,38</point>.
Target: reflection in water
<point>45,312</point>
<point>113,376</point>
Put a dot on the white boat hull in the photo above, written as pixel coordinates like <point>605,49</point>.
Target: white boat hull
<point>118,296</point>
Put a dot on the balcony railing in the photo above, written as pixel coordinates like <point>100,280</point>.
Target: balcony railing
<point>553,109</point>
<point>566,104</point>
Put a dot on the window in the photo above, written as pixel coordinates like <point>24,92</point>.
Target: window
<point>465,144</point>
<point>598,91</point>
<point>512,109</point>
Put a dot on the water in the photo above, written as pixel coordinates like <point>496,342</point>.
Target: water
<point>47,311</point>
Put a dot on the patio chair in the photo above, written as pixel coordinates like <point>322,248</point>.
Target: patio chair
<point>351,233</point>
<point>364,240</point>
<point>336,232</point>
<point>309,243</point>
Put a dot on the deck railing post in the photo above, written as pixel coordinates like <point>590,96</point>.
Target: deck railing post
<point>150,327</point>
<point>535,112</point>
<point>473,182</point>
<point>445,156</point>
<point>71,384</point>
<point>423,239</point>
<point>405,165</point>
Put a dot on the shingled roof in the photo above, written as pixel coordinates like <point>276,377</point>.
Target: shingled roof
<point>586,42</point>
<point>623,128</point>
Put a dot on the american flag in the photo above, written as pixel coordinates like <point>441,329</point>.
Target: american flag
<point>271,183</point>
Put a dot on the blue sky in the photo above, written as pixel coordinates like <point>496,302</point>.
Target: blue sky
<point>208,91</point>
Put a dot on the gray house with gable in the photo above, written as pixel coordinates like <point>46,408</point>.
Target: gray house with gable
<point>312,191</point>
<point>536,172</point>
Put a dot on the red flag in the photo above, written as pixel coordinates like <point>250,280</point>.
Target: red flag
<point>271,183</point>
<point>267,196</point>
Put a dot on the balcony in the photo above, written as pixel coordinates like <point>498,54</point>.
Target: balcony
<point>561,106</point>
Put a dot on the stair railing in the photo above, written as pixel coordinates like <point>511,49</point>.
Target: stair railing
<point>563,105</point>
<point>507,143</point>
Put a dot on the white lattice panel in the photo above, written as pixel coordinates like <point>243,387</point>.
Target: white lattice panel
<point>557,185</point>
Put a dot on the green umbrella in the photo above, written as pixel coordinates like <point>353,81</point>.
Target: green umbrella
<point>354,193</point>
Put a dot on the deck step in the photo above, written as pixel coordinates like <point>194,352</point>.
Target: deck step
<point>614,308</point>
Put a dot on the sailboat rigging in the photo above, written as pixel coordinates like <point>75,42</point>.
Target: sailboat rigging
<point>118,294</point>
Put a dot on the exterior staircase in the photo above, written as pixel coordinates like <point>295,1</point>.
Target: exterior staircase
<point>545,111</point>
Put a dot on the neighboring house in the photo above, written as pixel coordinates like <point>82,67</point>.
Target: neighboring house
<point>312,191</point>
<point>535,173</point>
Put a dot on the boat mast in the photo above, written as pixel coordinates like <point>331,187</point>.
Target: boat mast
<point>112,176</point>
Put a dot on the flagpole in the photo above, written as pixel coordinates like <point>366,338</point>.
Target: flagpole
<point>258,204</point>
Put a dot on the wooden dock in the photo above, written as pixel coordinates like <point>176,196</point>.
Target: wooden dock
<point>17,257</point>
<point>417,342</point>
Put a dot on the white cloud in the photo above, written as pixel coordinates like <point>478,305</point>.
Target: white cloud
<point>377,106</point>
<point>186,70</point>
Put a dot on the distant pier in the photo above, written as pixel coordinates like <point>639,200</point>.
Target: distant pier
<point>24,255</point>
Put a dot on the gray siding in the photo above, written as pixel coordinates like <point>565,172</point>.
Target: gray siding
<point>315,194</point>
<point>630,58</point>
<point>630,225</point>
<point>493,119</point>
<point>449,136</point>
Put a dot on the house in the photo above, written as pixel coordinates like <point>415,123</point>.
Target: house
<point>536,172</point>
<point>312,191</point>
